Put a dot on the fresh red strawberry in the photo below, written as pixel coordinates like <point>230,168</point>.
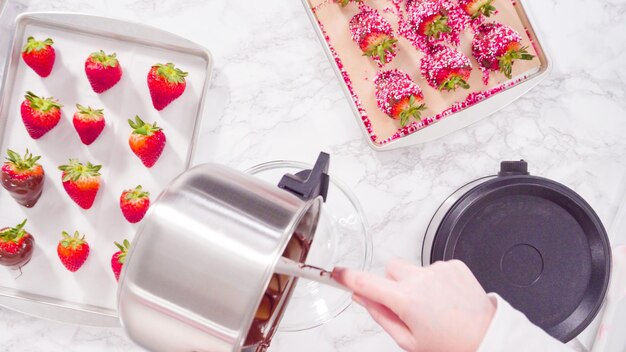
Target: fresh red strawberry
<point>345,3</point>
<point>119,257</point>
<point>496,47</point>
<point>477,8</point>
<point>81,182</point>
<point>89,123</point>
<point>16,246</point>
<point>103,71</point>
<point>446,69</point>
<point>398,96</point>
<point>146,141</point>
<point>23,177</point>
<point>73,251</point>
<point>166,83</point>
<point>134,204</point>
<point>39,115</point>
<point>374,35</point>
<point>39,55</point>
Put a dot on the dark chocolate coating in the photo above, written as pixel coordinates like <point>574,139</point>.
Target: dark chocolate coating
<point>25,192</point>
<point>22,256</point>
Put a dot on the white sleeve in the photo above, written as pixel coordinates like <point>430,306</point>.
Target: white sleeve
<point>511,331</point>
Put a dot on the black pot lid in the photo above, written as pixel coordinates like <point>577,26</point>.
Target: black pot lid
<point>533,241</point>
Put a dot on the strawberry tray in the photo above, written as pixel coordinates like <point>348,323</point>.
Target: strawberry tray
<point>445,111</point>
<point>45,288</point>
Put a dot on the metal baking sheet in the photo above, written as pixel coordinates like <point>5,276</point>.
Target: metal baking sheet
<point>45,288</point>
<point>364,107</point>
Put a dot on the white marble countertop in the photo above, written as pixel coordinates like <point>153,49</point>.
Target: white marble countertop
<point>275,96</point>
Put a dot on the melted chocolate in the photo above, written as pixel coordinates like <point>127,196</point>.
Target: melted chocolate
<point>259,335</point>
<point>26,192</point>
<point>22,256</point>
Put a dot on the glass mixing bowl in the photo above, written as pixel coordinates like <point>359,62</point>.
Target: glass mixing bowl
<point>341,240</point>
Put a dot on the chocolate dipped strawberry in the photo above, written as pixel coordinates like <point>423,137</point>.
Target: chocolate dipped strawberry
<point>39,55</point>
<point>398,96</point>
<point>478,8</point>
<point>103,71</point>
<point>23,177</point>
<point>374,35</point>
<point>496,47</point>
<point>16,246</point>
<point>428,22</point>
<point>446,69</point>
<point>39,115</point>
<point>166,83</point>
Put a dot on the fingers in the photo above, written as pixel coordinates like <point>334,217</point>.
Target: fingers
<point>400,269</point>
<point>371,286</point>
<point>389,322</point>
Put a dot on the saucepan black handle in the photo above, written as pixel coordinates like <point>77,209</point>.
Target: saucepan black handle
<point>309,184</point>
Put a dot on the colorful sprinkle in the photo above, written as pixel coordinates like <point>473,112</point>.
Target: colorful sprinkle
<point>421,13</point>
<point>392,86</point>
<point>374,35</point>
<point>491,42</point>
<point>442,63</point>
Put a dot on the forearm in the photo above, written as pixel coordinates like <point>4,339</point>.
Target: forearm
<point>510,330</point>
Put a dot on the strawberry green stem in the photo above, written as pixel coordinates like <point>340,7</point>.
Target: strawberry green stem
<point>137,193</point>
<point>104,59</point>
<point>171,73</point>
<point>345,3</point>
<point>14,234</point>
<point>124,248</point>
<point>36,45</point>
<point>41,104</point>
<point>486,9</point>
<point>438,26</point>
<point>453,83</point>
<point>89,111</point>
<point>72,242</point>
<point>382,49</point>
<point>412,110</point>
<point>142,128</point>
<point>506,61</point>
<point>75,170</point>
<point>22,163</point>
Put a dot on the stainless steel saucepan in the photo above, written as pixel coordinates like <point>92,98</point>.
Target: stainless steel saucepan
<point>200,275</point>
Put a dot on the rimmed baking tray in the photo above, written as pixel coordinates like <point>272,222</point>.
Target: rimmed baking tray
<point>438,122</point>
<point>45,288</point>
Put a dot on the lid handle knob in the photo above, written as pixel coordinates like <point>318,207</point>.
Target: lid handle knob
<point>309,184</point>
<point>512,168</point>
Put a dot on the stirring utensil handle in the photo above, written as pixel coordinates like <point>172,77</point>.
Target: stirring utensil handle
<point>286,266</point>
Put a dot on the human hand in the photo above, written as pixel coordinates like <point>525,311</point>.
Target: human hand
<point>441,307</point>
